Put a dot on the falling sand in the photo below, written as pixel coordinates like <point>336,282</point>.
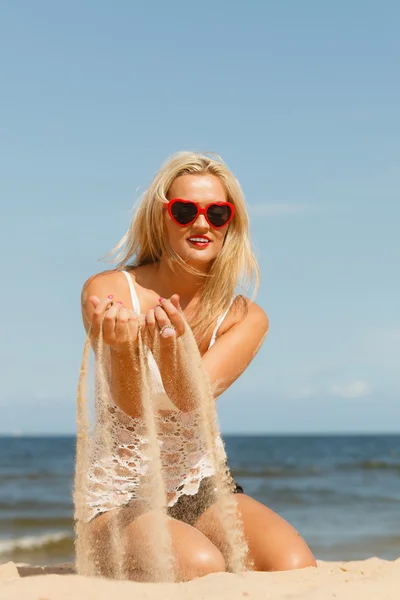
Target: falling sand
<point>122,438</point>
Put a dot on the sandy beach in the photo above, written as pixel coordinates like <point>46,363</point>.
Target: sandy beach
<point>371,579</point>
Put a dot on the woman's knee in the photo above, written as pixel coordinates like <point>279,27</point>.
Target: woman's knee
<point>199,562</point>
<point>193,554</point>
<point>296,558</point>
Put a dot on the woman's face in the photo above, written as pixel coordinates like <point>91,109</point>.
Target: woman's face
<point>203,189</point>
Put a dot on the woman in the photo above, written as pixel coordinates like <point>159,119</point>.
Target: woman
<point>185,252</point>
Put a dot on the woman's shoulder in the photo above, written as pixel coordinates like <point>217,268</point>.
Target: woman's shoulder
<point>104,284</point>
<point>246,311</point>
<point>246,307</point>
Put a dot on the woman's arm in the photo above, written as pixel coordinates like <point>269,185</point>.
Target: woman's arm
<point>234,350</point>
<point>125,381</point>
<point>224,362</point>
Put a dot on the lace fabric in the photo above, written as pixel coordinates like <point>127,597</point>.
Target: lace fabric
<point>117,477</point>
<point>119,469</point>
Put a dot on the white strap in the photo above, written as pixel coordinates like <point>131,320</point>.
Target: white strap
<point>134,296</point>
<point>136,307</point>
<point>157,381</point>
<point>219,321</point>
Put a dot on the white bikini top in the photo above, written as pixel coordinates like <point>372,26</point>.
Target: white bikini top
<point>151,360</point>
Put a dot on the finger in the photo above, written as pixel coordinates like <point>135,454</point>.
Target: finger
<point>151,320</point>
<point>126,326</point>
<point>175,299</point>
<point>133,326</point>
<point>150,325</point>
<point>98,313</point>
<point>163,319</point>
<point>161,316</point>
<point>102,306</point>
<point>120,327</point>
<point>174,316</point>
<point>168,308</point>
<point>109,323</point>
<point>95,301</point>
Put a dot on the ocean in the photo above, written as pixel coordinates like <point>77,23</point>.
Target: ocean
<point>341,492</point>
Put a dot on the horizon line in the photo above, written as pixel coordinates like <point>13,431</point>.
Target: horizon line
<point>228,433</point>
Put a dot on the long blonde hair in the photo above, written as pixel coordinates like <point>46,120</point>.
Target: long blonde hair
<point>235,265</point>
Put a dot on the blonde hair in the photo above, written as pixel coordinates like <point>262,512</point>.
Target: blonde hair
<point>235,265</point>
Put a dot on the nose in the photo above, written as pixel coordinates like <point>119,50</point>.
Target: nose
<point>201,222</point>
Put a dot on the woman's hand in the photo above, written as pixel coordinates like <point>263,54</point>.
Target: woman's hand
<point>120,325</point>
<point>168,312</point>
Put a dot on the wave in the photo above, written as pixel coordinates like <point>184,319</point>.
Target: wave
<point>35,504</point>
<point>283,471</point>
<point>372,465</point>
<point>35,542</point>
<point>41,522</point>
<point>288,496</point>
<point>34,476</point>
<point>313,471</point>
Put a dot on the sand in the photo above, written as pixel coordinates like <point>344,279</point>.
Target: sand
<point>115,555</point>
<point>372,579</point>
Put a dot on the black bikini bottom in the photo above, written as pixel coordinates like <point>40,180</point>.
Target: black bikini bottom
<point>189,508</point>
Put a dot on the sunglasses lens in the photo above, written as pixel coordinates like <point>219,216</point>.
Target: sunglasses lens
<point>219,214</point>
<point>184,212</point>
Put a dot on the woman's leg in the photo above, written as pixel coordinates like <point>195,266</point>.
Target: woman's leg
<point>193,553</point>
<point>274,545</point>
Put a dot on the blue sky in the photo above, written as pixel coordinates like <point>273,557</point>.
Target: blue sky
<point>302,99</point>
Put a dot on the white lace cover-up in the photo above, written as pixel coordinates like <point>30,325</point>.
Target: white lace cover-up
<point>118,476</point>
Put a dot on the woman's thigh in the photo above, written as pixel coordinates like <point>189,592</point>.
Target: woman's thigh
<point>274,545</point>
<point>194,555</point>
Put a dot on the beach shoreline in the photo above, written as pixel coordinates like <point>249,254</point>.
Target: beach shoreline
<point>370,579</point>
<point>341,493</point>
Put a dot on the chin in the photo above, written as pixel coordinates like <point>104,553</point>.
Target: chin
<point>198,261</point>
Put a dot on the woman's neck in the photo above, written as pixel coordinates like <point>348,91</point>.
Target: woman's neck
<point>169,282</point>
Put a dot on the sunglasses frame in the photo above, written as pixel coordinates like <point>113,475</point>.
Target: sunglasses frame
<point>200,211</point>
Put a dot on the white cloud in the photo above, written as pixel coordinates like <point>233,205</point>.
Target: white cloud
<point>352,389</point>
<point>272,209</point>
<point>355,389</point>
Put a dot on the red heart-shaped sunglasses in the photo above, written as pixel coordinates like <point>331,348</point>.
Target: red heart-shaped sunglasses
<point>185,212</point>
